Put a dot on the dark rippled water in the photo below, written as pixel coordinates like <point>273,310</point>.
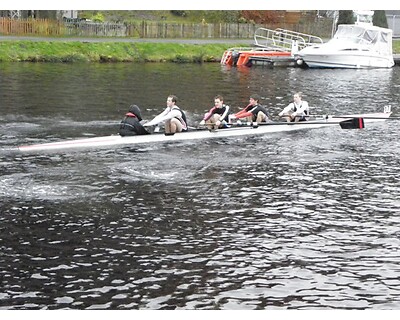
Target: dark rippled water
<point>300,220</point>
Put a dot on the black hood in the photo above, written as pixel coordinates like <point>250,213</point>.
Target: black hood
<point>136,111</point>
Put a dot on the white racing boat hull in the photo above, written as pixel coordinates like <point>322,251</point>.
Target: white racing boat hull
<point>116,140</point>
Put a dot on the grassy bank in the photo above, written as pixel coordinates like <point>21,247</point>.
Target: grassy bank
<point>396,46</point>
<point>42,51</point>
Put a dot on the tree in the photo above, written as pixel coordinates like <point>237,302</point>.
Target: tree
<point>44,14</point>
<point>213,16</point>
<point>179,13</point>
<point>261,16</point>
<point>222,16</point>
<point>380,19</point>
<point>345,17</point>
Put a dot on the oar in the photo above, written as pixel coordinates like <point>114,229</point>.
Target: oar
<point>368,117</point>
<point>353,123</point>
<point>326,116</point>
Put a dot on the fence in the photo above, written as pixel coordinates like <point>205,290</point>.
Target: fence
<point>30,27</point>
<point>150,29</point>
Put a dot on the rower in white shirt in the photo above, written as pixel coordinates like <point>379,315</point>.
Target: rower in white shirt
<point>297,110</point>
<point>173,116</point>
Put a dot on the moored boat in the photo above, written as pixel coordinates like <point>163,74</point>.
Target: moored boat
<point>354,46</point>
<point>234,130</point>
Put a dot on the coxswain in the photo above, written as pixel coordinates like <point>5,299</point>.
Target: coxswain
<point>130,125</point>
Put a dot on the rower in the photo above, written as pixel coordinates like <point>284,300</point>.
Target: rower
<point>297,110</point>
<point>173,117</point>
<point>253,112</point>
<point>217,116</point>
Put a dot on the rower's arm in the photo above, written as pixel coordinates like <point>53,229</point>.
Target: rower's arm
<point>157,119</point>
<point>244,115</point>
<point>209,114</point>
<point>286,109</point>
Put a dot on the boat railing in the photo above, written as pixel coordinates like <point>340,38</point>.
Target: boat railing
<point>250,49</point>
<point>282,39</point>
<point>240,49</point>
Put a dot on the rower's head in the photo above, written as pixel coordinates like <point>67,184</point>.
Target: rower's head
<point>297,97</point>
<point>136,111</point>
<point>218,101</point>
<point>254,98</point>
<point>171,100</point>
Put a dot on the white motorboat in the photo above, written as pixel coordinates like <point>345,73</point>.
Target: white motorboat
<point>345,121</point>
<point>353,46</point>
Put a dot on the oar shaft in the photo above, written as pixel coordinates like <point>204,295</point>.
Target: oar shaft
<point>366,117</point>
<point>350,117</point>
<point>257,124</point>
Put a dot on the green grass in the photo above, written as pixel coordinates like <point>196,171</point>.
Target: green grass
<point>42,51</point>
<point>396,46</point>
<point>58,51</point>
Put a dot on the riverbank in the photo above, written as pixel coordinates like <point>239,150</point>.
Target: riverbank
<point>107,51</point>
<point>14,49</point>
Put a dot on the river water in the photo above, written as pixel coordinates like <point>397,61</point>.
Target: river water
<point>300,220</point>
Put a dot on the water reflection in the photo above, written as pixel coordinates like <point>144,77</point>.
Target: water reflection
<point>301,220</point>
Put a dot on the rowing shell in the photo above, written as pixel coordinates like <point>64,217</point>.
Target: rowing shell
<point>234,131</point>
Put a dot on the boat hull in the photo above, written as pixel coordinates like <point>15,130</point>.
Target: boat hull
<point>242,57</point>
<point>346,60</point>
<point>245,130</point>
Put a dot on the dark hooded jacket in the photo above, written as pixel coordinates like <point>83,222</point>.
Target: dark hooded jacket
<point>130,125</point>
